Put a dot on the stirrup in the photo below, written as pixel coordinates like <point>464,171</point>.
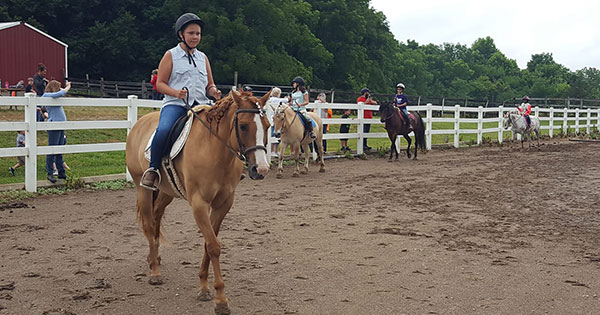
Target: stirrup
<point>153,188</point>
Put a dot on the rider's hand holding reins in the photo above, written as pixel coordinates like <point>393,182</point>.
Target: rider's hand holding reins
<point>181,94</point>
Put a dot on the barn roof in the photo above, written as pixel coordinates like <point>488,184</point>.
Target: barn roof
<point>6,25</point>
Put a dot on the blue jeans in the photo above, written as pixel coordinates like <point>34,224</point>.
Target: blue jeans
<point>168,116</point>
<point>405,113</point>
<point>55,137</point>
<point>366,129</point>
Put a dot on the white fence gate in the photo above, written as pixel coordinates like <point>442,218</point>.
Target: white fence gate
<point>31,150</point>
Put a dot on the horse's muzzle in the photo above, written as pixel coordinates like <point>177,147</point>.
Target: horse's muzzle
<point>257,172</point>
<point>277,134</point>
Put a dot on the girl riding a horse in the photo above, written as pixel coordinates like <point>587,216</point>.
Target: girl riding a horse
<point>181,66</point>
<point>525,110</point>
<point>400,101</point>
<point>298,101</point>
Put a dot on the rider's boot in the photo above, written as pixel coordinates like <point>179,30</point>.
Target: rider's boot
<point>149,178</point>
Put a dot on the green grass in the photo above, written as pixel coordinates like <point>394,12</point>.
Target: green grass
<point>103,163</point>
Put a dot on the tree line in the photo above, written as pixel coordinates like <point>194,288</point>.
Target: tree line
<point>335,44</point>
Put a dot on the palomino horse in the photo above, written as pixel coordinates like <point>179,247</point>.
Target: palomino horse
<point>395,126</point>
<point>519,125</point>
<point>288,125</point>
<point>209,167</point>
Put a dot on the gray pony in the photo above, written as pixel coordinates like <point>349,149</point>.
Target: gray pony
<point>519,125</point>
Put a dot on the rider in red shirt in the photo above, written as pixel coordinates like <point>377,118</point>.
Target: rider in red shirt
<point>525,110</point>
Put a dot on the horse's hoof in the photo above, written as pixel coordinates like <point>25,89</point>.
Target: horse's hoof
<point>204,296</point>
<point>156,280</point>
<point>304,172</point>
<point>390,160</point>
<point>321,170</point>
<point>222,309</point>
<point>279,175</point>
<point>295,175</point>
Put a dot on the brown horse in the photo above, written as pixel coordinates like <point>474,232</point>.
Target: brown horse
<point>209,167</point>
<point>395,126</point>
<point>289,127</point>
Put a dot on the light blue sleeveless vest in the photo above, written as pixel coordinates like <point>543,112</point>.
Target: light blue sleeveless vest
<point>185,74</point>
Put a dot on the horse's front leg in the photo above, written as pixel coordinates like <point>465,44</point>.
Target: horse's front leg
<point>392,149</point>
<point>407,137</point>
<point>307,156</point>
<point>296,152</point>
<point>212,253</point>
<point>282,147</point>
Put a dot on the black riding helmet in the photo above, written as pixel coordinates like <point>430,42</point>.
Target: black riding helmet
<point>298,80</point>
<point>183,21</point>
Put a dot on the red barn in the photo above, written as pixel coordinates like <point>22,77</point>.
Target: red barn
<point>23,46</point>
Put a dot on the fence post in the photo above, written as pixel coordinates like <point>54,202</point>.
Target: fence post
<point>87,81</point>
<point>31,144</point>
<point>117,89</point>
<point>589,121</point>
<point>361,135</point>
<point>577,120</point>
<point>456,124</point>
<point>429,126</point>
<point>500,123</point>
<point>101,86</point>
<point>144,90</point>
<point>551,122</point>
<point>132,114</point>
<point>565,123</point>
<point>479,124</point>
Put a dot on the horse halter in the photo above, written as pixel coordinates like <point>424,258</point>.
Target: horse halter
<point>285,120</point>
<point>390,115</point>
<point>241,154</point>
<point>242,150</point>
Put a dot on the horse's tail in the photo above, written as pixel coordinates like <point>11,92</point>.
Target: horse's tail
<point>420,139</point>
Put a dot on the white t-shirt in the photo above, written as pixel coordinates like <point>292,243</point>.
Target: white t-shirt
<point>323,110</point>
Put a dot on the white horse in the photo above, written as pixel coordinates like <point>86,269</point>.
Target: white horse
<point>519,125</point>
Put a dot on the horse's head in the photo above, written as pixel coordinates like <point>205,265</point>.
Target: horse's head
<point>385,111</point>
<point>507,120</point>
<point>279,119</point>
<point>251,126</point>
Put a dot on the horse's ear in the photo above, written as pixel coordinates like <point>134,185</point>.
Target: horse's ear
<point>236,97</point>
<point>263,100</point>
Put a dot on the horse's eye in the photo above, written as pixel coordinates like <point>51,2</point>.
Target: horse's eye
<point>244,127</point>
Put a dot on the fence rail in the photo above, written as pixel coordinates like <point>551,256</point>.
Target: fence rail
<point>433,115</point>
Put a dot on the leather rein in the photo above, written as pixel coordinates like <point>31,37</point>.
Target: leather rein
<point>242,152</point>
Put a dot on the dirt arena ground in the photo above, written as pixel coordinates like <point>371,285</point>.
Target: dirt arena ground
<point>487,230</point>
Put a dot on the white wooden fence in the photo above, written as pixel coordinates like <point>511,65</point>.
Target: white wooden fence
<point>587,119</point>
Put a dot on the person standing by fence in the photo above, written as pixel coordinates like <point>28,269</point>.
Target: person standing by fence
<point>20,159</point>
<point>366,99</point>
<point>39,85</point>
<point>56,137</point>
<point>325,113</point>
<point>181,66</point>
<point>153,78</point>
<point>270,109</point>
<point>345,128</point>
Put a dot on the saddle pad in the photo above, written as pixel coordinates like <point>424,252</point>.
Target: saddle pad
<point>312,121</point>
<point>180,142</point>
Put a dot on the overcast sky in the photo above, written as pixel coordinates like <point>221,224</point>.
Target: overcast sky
<point>570,29</point>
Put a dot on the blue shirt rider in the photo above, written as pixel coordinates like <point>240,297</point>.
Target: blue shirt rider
<point>400,101</point>
<point>181,66</point>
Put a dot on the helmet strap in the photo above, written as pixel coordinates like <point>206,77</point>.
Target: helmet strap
<point>189,50</point>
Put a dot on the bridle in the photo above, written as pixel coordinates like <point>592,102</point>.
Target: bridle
<point>242,152</point>
<point>391,112</point>
<point>283,130</point>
